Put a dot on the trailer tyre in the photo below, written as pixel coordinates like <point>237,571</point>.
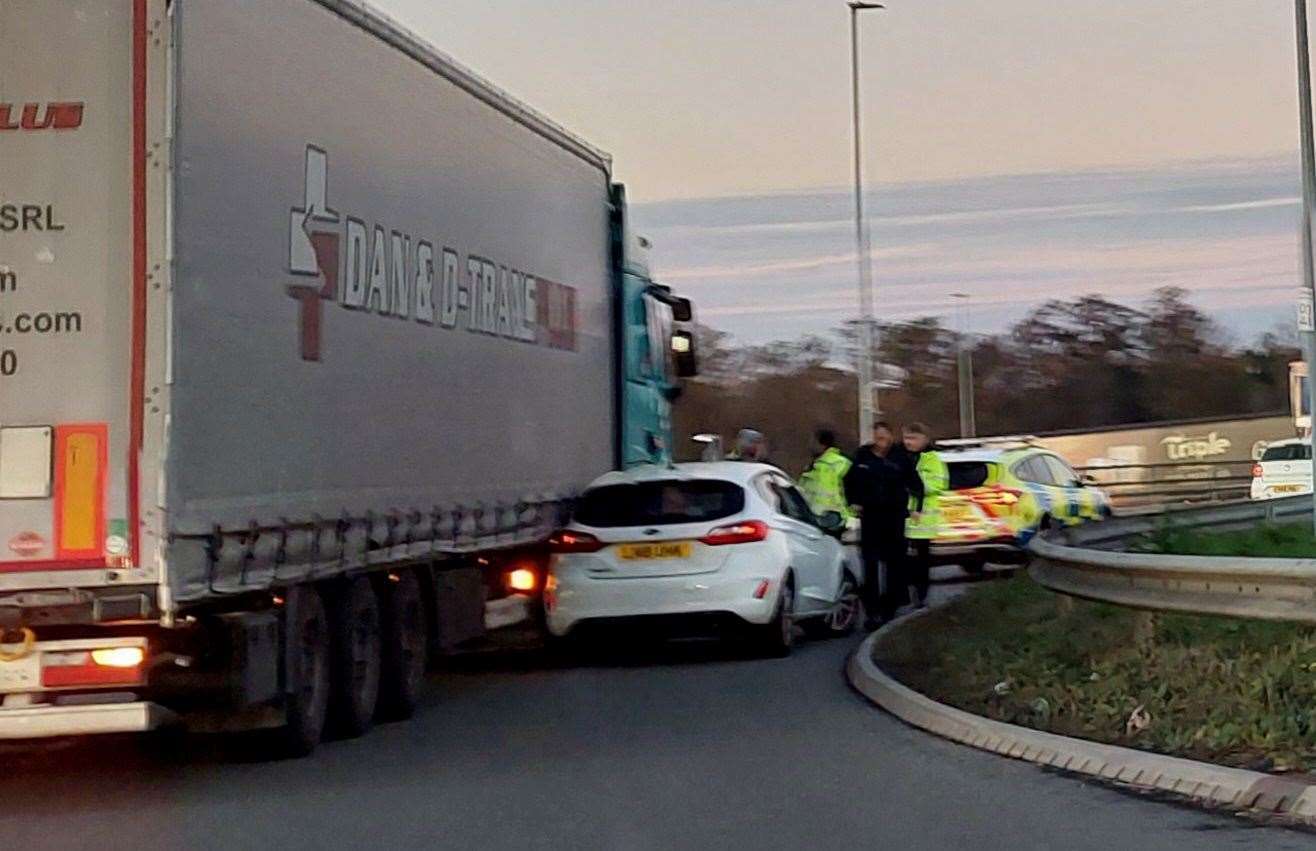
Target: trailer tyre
<point>356,658</point>
<point>307,647</point>
<point>404,630</point>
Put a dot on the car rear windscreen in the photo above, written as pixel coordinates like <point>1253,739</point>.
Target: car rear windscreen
<point>965,475</point>
<point>659,503</point>
<point>1288,452</point>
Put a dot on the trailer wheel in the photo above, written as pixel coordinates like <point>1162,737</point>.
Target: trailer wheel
<point>307,662</point>
<point>356,659</point>
<point>404,630</point>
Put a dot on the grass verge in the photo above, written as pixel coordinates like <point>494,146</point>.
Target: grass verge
<point>1234,692</point>
<point>1289,541</point>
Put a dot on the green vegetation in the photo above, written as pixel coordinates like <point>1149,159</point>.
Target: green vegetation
<point>1069,364</point>
<point>1295,541</point>
<point>1224,690</point>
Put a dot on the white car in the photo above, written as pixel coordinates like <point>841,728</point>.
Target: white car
<point>1284,470</point>
<point>713,544</point>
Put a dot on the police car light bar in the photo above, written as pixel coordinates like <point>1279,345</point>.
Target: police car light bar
<point>983,442</point>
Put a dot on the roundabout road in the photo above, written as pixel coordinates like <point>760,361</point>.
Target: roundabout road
<point>691,748</point>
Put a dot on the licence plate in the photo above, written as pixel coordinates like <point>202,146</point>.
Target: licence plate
<point>652,552</point>
<point>1286,488</point>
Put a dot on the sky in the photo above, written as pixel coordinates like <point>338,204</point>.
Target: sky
<point>1016,150</point>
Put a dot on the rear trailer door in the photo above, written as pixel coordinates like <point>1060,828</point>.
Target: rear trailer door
<point>71,260</point>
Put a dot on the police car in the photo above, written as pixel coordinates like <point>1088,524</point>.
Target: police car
<point>1003,491</point>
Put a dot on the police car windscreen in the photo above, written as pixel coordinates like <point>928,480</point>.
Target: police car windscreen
<point>659,503</point>
<point>965,475</point>
<point>1288,452</point>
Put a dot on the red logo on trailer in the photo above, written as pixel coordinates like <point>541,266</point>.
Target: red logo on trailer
<point>31,117</point>
<point>27,544</point>
<point>313,250</point>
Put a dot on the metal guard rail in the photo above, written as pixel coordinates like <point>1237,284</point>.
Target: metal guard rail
<point>1089,562</point>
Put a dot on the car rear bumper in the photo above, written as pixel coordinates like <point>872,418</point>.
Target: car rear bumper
<point>580,599</point>
<point>45,721</point>
<point>1003,550</point>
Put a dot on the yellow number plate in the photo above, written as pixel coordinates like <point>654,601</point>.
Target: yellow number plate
<point>1287,488</point>
<point>649,552</point>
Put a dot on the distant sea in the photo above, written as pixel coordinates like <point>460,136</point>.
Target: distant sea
<point>780,266</point>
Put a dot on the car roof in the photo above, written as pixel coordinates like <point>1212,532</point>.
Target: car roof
<point>1289,441</point>
<point>988,455</point>
<point>739,472</point>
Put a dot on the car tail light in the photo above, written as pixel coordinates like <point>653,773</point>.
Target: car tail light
<point>550,593</point>
<point>737,533</point>
<point>1258,471</point>
<point>567,541</point>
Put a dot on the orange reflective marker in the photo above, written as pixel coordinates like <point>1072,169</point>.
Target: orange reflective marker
<point>80,460</point>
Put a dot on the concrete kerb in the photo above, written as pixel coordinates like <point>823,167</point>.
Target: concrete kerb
<point>1214,785</point>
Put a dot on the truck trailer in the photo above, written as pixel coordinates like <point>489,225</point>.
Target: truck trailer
<point>308,338</point>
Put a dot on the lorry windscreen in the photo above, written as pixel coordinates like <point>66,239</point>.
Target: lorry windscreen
<point>660,503</point>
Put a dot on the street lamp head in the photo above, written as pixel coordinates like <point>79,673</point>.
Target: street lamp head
<point>859,6</point>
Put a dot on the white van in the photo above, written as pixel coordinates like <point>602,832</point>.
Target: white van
<point>1284,469</point>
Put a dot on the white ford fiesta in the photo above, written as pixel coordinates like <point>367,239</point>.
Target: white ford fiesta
<point>708,544</point>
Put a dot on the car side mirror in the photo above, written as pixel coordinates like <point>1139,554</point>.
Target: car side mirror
<point>1087,479</point>
<point>832,522</point>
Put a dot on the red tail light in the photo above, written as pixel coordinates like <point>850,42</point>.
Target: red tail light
<point>119,666</point>
<point>574,542</point>
<point>737,533</point>
<point>1257,471</point>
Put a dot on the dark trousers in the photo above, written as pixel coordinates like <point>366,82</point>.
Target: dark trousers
<point>920,567</point>
<point>883,544</point>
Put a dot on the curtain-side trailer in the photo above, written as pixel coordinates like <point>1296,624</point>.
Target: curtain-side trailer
<point>308,337</point>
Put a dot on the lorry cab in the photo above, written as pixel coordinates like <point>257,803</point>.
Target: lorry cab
<point>656,344</point>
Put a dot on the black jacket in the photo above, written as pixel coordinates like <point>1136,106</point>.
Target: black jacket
<point>883,485</point>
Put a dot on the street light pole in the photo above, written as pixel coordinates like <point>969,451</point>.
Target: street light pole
<point>964,357</point>
<point>1308,201</point>
<point>867,391</point>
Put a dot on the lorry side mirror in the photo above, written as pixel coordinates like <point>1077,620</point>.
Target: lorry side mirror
<point>683,354</point>
<point>682,311</point>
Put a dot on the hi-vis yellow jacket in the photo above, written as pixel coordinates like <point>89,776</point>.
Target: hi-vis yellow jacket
<point>823,483</point>
<point>936,481</point>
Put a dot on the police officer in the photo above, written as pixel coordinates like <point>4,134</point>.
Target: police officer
<point>881,482</point>
<point>925,511</point>
<point>823,484</point>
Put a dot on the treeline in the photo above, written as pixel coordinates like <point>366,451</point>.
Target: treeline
<point>1083,363</point>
